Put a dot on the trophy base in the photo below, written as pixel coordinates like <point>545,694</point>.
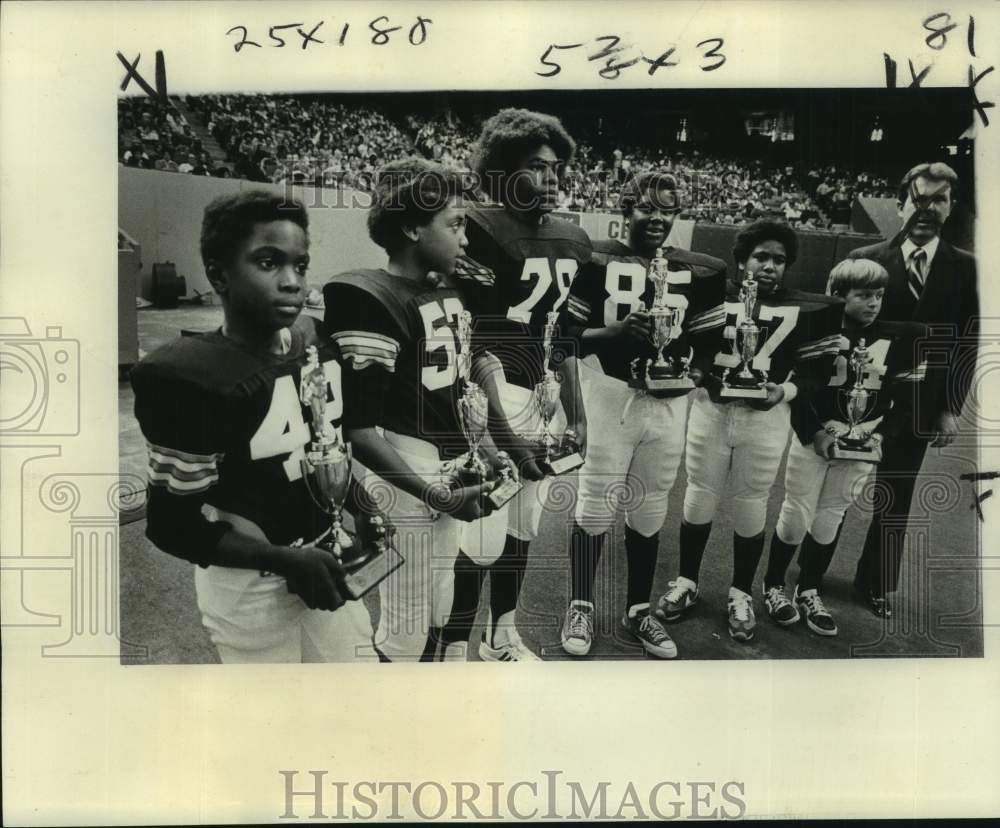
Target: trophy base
<point>504,493</point>
<point>562,463</point>
<point>730,392</point>
<point>668,383</point>
<point>377,565</point>
<point>864,453</point>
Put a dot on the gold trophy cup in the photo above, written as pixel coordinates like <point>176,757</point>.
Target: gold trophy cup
<point>858,443</point>
<point>744,381</point>
<point>326,470</point>
<point>470,468</point>
<point>666,315</point>
<point>558,457</point>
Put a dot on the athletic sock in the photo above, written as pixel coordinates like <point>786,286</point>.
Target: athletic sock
<point>468,584</point>
<point>584,556</point>
<point>747,553</point>
<point>694,537</point>
<point>778,558</point>
<point>814,560</point>
<point>640,552</point>
<point>506,577</point>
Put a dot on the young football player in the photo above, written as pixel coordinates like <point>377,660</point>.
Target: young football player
<point>818,487</point>
<point>636,436</point>
<point>226,429</point>
<point>742,442</point>
<point>532,259</point>
<point>397,329</point>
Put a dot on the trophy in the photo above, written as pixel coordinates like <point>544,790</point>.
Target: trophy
<point>558,457</point>
<point>667,314</point>
<point>326,470</point>
<point>470,468</point>
<point>858,443</point>
<point>743,381</point>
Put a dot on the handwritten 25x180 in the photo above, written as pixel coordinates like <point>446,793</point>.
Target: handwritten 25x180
<point>617,57</point>
<point>279,35</point>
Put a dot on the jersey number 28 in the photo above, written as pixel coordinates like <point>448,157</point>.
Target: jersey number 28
<point>539,268</point>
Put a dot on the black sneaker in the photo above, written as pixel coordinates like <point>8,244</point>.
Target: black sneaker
<point>818,619</point>
<point>878,604</point>
<point>651,634</point>
<point>781,610</point>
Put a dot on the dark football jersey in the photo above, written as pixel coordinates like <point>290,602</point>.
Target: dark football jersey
<point>399,342</point>
<point>226,425</point>
<point>889,376</point>
<point>614,284</point>
<point>797,330</point>
<point>534,266</point>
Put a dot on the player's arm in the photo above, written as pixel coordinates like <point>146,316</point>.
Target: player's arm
<point>369,346</point>
<point>816,351</point>
<point>905,371</point>
<point>487,372</point>
<point>706,322</point>
<point>582,316</point>
<point>179,423</point>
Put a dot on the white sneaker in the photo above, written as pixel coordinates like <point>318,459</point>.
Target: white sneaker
<point>741,617</point>
<point>678,599</point>
<point>578,628</point>
<point>509,647</point>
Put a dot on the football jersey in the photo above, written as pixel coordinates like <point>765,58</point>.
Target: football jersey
<point>893,369</point>
<point>797,330</point>
<point>398,339</point>
<point>226,425</point>
<point>614,284</point>
<point>534,266</point>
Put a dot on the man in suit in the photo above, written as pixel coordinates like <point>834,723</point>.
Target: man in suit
<point>933,282</point>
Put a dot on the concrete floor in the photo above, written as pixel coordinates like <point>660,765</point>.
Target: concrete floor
<point>938,611</point>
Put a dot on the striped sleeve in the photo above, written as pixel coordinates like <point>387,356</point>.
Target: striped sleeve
<point>915,373</point>
<point>363,349</point>
<point>826,346</point>
<point>182,472</point>
<point>578,307</point>
<point>714,317</point>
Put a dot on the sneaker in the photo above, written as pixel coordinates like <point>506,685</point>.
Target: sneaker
<point>818,619</point>
<point>509,647</point>
<point>741,617</point>
<point>651,634</point>
<point>578,629</point>
<point>781,610</point>
<point>678,599</point>
<point>878,604</point>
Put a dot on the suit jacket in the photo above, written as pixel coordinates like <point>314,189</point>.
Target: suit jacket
<point>949,305</point>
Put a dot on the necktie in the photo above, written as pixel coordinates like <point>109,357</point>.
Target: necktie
<point>915,271</point>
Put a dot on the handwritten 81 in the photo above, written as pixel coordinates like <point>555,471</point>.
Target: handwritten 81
<point>613,57</point>
<point>284,34</point>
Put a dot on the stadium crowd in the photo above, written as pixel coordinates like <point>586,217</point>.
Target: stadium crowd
<point>309,141</point>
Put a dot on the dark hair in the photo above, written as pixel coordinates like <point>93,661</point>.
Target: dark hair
<point>856,274</point>
<point>762,231</point>
<point>409,193</point>
<point>936,170</point>
<point>637,186</point>
<point>510,135</point>
<point>229,220</point>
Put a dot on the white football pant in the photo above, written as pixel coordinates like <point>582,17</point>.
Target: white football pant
<point>817,494</point>
<point>737,443</point>
<point>634,448</point>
